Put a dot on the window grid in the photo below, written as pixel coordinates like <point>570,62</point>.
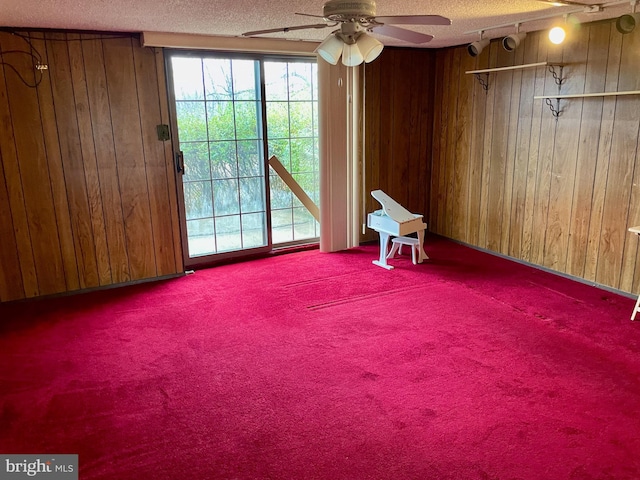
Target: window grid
<point>298,226</point>
<point>205,228</point>
<point>230,166</point>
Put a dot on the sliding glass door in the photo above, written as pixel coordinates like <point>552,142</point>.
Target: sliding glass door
<point>231,115</point>
<point>292,119</point>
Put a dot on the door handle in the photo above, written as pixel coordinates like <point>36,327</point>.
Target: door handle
<point>180,162</point>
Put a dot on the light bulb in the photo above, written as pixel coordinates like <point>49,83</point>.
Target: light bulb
<point>557,35</point>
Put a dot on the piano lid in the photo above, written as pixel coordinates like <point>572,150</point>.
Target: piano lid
<point>392,208</point>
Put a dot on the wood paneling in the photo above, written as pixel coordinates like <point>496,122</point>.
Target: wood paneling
<point>443,63</point>
<point>603,156</point>
<point>521,185</point>
<point>398,128</point>
<point>56,175</point>
<point>10,278</point>
<point>477,126</point>
<point>33,173</point>
<point>16,219</point>
<point>66,108</point>
<point>617,202</point>
<point>557,193</point>
<point>449,152</point>
<point>129,151</point>
<point>87,193</point>
<point>585,204</point>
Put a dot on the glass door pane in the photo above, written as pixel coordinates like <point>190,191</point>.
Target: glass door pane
<point>219,120</point>
<point>291,98</point>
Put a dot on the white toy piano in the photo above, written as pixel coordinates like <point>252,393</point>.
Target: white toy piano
<point>393,220</point>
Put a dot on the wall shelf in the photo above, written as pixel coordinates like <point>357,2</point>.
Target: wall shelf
<point>555,109</point>
<point>584,95</point>
<point>486,71</point>
<point>513,67</point>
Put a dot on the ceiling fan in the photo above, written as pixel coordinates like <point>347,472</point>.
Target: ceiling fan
<point>355,20</point>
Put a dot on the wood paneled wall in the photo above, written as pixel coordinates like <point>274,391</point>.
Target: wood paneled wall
<point>398,120</point>
<point>87,191</point>
<point>509,178</point>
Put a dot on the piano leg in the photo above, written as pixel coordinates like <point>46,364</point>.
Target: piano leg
<point>384,246</point>
<point>423,255</point>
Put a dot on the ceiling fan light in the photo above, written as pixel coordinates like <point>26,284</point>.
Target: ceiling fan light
<point>511,42</point>
<point>331,49</point>
<point>626,23</point>
<point>370,47</point>
<point>351,55</point>
<point>476,48</point>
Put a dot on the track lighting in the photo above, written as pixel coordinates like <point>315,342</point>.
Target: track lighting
<point>626,23</point>
<point>474,49</point>
<point>557,35</point>
<point>511,42</point>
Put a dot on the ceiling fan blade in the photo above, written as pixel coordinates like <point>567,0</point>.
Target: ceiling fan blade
<point>414,20</point>
<point>564,3</point>
<point>284,29</point>
<point>402,34</point>
<point>309,15</point>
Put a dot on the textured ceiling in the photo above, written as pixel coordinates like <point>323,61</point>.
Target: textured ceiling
<point>233,17</point>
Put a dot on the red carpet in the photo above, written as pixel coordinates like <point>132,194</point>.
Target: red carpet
<point>324,366</point>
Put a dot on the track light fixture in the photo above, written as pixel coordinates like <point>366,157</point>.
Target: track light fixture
<point>627,23</point>
<point>557,35</point>
<point>511,42</point>
<point>474,49</point>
